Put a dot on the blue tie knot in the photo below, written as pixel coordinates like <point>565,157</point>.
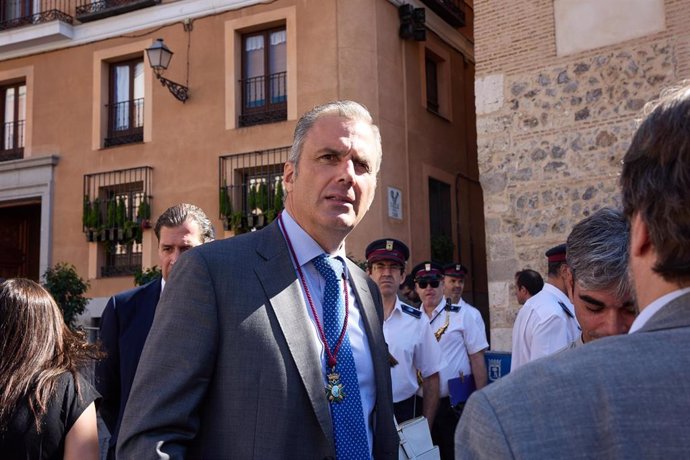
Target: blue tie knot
<point>330,268</point>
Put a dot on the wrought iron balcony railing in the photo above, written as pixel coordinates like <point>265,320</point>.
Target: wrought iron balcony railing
<point>264,99</point>
<point>18,13</point>
<point>12,141</point>
<point>125,122</point>
<point>92,10</point>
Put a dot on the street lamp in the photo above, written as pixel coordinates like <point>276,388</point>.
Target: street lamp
<point>159,58</point>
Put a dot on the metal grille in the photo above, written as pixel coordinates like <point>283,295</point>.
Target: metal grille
<point>251,187</point>
<point>125,122</point>
<point>264,99</point>
<point>17,13</point>
<point>116,209</point>
<point>91,11</point>
<point>12,141</point>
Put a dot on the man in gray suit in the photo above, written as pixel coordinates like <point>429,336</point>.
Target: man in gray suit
<point>241,360</point>
<point>624,396</point>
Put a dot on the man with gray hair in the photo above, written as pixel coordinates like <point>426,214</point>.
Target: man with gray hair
<point>128,316</point>
<point>598,282</point>
<point>285,357</point>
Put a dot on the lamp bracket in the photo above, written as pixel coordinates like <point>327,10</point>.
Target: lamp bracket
<point>180,92</point>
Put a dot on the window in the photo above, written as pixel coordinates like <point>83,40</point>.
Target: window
<point>126,103</point>
<point>116,209</point>
<point>264,77</point>
<point>251,188</point>
<point>13,121</point>
<point>440,220</point>
<point>14,13</point>
<point>431,69</point>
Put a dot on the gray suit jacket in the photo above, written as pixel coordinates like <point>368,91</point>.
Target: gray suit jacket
<point>619,397</point>
<point>229,369</point>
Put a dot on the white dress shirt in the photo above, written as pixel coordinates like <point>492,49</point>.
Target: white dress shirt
<point>543,327</point>
<point>464,336</point>
<point>413,345</point>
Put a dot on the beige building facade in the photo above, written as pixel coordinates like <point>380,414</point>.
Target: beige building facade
<point>96,145</point>
<point>559,84</point>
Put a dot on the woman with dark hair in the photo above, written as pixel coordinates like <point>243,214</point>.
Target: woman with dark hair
<point>46,406</point>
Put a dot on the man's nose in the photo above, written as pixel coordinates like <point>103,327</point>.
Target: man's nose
<point>615,323</point>
<point>347,172</point>
<point>174,256</point>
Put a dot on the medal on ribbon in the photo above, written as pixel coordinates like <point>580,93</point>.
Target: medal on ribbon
<point>334,388</point>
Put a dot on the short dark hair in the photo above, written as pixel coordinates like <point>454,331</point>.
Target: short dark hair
<point>177,215</point>
<point>655,181</point>
<point>530,280</point>
<point>598,252</point>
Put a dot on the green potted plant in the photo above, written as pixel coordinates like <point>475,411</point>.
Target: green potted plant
<point>142,277</point>
<point>144,213</point>
<point>120,218</point>
<point>225,206</point>
<point>67,288</point>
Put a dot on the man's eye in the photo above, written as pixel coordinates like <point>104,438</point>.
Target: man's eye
<point>363,166</point>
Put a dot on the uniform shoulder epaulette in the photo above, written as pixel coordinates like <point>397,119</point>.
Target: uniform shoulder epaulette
<point>412,311</point>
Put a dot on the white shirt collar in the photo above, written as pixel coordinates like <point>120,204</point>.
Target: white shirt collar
<point>305,247</point>
<point>654,307</point>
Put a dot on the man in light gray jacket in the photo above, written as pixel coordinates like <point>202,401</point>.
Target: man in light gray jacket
<point>626,396</point>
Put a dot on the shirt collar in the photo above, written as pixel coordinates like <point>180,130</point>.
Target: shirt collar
<point>305,247</point>
<point>654,307</point>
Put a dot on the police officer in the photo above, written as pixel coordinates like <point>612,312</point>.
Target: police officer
<point>411,343</point>
<point>460,332</point>
<point>546,323</point>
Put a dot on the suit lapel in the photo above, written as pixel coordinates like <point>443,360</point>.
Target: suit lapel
<point>282,287</point>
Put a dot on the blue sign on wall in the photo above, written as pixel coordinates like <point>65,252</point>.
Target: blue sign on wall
<point>497,364</point>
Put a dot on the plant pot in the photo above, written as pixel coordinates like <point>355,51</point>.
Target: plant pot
<point>250,221</point>
<point>120,234</point>
<point>104,235</point>
<point>260,220</point>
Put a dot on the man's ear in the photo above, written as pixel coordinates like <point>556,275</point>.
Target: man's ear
<point>640,243</point>
<point>288,176</point>
<point>570,283</point>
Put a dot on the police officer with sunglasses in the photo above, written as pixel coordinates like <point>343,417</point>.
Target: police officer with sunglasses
<point>462,337</point>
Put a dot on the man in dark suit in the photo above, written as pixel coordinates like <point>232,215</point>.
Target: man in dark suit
<point>624,396</point>
<point>128,316</point>
<point>270,344</point>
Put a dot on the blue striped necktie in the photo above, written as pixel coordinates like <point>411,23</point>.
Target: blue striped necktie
<point>349,430</point>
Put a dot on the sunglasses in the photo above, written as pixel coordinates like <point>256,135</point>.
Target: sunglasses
<point>424,284</point>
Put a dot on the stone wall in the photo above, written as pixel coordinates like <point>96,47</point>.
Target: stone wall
<point>552,131</point>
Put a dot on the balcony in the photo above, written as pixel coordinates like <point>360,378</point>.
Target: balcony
<point>91,11</point>
<point>125,122</point>
<point>451,11</point>
<point>257,108</point>
<point>12,141</point>
<point>18,13</point>
<point>116,211</point>
<point>251,188</point>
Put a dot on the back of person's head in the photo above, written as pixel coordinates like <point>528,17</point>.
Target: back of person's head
<point>556,260</point>
<point>656,181</point>
<point>31,341</point>
<point>347,109</point>
<point>178,214</point>
<point>35,347</point>
<point>530,280</point>
<point>598,252</point>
